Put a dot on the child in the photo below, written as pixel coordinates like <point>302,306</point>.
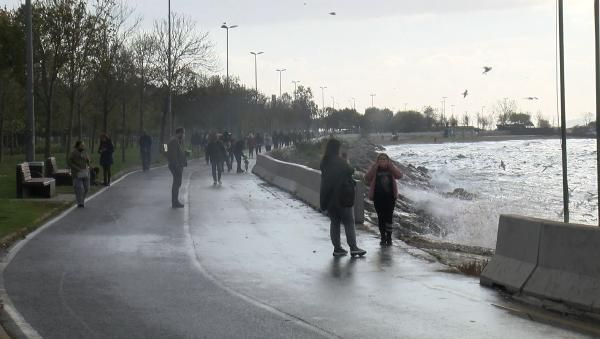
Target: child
<point>383,190</point>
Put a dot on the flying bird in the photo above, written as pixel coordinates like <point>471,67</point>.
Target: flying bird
<point>332,13</point>
<point>531,98</point>
<point>486,69</point>
<point>465,93</point>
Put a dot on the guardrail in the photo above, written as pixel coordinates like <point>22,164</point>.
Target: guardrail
<point>547,259</point>
<point>301,181</point>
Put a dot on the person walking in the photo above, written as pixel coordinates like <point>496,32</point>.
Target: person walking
<point>177,162</point>
<point>238,151</point>
<point>336,173</point>
<point>106,150</point>
<point>79,162</point>
<point>215,151</point>
<point>251,142</point>
<point>259,142</point>
<point>383,191</point>
<point>145,150</point>
<point>268,142</point>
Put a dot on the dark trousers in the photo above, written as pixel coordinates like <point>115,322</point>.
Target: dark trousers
<point>238,160</point>
<point>268,148</point>
<point>177,173</point>
<point>385,216</point>
<point>217,169</point>
<point>145,160</point>
<point>106,174</point>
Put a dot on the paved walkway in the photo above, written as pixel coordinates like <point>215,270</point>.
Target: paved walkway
<point>241,260</point>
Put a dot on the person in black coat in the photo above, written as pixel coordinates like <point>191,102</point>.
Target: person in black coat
<point>216,154</point>
<point>106,150</point>
<point>238,150</point>
<point>145,150</point>
<point>335,169</point>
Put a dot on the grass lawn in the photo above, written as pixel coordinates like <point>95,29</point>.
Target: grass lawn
<point>22,216</point>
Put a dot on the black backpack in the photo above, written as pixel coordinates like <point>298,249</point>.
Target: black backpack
<point>345,192</point>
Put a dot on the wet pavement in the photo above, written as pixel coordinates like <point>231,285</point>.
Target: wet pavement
<point>241,260</point>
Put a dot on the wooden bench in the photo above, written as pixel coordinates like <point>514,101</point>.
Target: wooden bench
<point>63,177</point>
<point>28,186</point>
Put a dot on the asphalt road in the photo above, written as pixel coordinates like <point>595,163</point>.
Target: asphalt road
<point>242,260</point>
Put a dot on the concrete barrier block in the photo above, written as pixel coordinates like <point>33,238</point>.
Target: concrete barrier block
<point>516,253</point>
<point>569,266</point>
<point>303,182</point>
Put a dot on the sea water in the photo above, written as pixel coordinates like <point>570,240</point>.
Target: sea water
<point>530,183</point>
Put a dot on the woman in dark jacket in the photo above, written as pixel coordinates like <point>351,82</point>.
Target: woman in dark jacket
<point>334,170</point>
<point>106,150</point>
<point>383,190</point>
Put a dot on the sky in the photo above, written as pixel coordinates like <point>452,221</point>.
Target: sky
<point>408,53</point>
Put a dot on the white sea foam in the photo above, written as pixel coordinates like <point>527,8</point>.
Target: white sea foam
<point>531,184</point>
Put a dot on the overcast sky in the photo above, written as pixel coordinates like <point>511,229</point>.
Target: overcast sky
<point>404,52</point>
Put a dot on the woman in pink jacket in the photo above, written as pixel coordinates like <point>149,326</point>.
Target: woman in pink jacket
<point>383,190</point>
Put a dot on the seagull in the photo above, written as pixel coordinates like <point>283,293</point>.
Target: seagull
<point>465,93</point>
<point>486,69</point>
<point>332,13</point>
<point>531,98</point>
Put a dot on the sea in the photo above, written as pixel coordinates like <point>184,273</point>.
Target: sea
<point>530,183</point>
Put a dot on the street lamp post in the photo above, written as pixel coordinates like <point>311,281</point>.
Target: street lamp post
<point>444,106</point>
<point>280,71</point>
<point>30,156</point>
<point>597,38</point>
<point>323,98</point>
<point>354,103</point>
<point>255,71</point>
<point>372,104</point>
<point>563,121</point>
<point>333,102</point>
<point>227,28</point>
<point>296,82</point>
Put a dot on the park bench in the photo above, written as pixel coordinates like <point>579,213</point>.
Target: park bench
<point>62,176</point>
<point>28,186</point>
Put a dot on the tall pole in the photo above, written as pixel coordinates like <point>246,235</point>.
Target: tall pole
<point>444,106</point>
<point>296,82</point>
<point>563,121</point>
<point>323,98</point>
<point>405,104</point>
<point>597,35</point>
<point>333,102</point>
<point>224,25</point>
<point>30,156</point>
<point>354,103</point>
<point>256,72</point>
<point>169,74</point>
<point>372,102</point>
<point>280,71</point>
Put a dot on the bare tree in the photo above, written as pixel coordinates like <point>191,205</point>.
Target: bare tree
<point>587,118</point>
<point>79,44</point>
<point>53,18</point>
<point>191,51</point>
<point>144,48</point>
<point>113,29</point>
<point>465,119</point>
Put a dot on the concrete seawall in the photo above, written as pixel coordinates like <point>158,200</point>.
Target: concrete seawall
<point>547,259</point>
<point>301,181</point>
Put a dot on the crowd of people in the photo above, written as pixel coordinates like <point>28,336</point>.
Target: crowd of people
<point>221,149</point>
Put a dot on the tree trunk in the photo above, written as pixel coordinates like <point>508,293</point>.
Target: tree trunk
<point>123,131</point>
<point>48,145</point>
<point>71,117</point>
<point>142,102</point>
<point>1,135</point>
<point>79,123</point>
